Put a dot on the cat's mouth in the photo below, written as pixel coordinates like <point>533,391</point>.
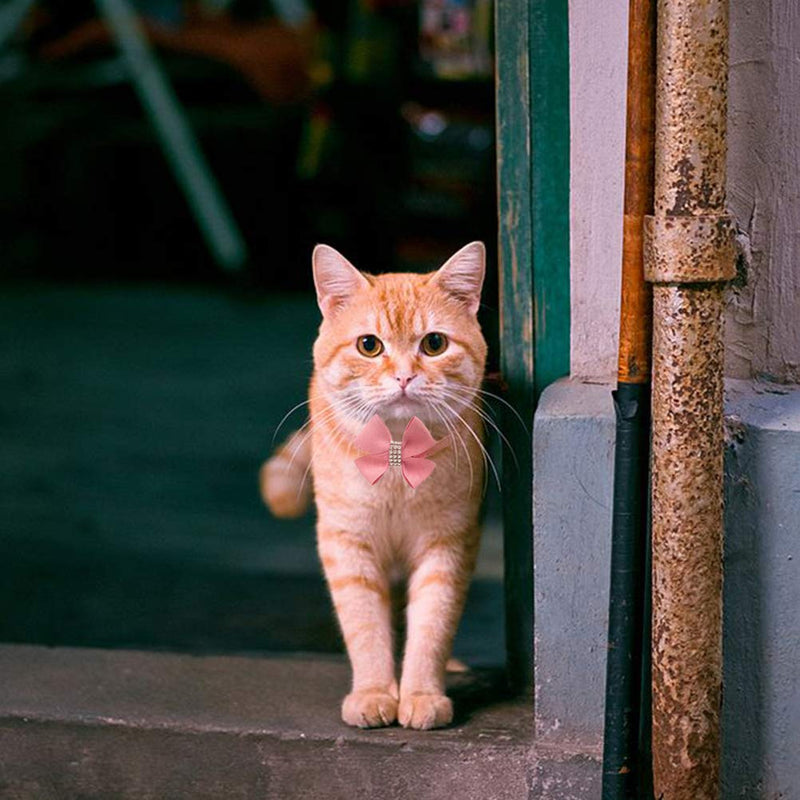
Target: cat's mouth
<point>402,406</point>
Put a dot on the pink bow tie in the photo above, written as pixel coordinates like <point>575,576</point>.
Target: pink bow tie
<point>382,452</point>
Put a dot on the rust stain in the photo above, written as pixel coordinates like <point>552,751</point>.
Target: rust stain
<point>682,187</point>
<point>694,248</point>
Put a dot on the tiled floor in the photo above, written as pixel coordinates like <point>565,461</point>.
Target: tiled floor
<point>133,420</point>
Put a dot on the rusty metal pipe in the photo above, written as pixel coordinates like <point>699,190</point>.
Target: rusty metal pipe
<point>689,255</point>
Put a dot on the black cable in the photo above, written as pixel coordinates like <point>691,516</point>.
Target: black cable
<point>623,769</point>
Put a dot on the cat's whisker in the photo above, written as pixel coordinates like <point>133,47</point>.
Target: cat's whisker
<point>311,463</point>
<point>487,458</point>
<point>358,411</point>
<point>451,427</point>
<point>472,394</point>
<point>308,421</point>
<point>505,402</point>
<point>337,433</point>
<point>287,415</point>
<point>335,437</point>
<point>446,391</point>
<point>447,426</point>
<point>324,417</point>
<point>450,432</point>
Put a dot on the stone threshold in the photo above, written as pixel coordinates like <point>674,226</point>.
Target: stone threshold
<point>89,723</point>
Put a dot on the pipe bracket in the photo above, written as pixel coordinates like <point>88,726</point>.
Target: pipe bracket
<point>689,248</point>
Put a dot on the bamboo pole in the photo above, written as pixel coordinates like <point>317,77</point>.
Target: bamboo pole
<point>636,300</point>
<point>689,254</point>
<point>625,767</point>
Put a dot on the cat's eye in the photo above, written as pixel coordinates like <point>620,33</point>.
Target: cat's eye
<point>433,344</point>
<point>369,346</point>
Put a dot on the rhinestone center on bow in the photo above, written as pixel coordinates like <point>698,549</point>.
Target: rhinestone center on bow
<point>395,454</point>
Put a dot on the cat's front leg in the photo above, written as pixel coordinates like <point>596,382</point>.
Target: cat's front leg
<point>436,592</point>
<point>360,591</point>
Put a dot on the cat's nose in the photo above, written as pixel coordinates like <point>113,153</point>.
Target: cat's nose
<point>404,380</point>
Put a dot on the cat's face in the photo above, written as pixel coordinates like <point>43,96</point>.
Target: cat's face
<point>399,345</point>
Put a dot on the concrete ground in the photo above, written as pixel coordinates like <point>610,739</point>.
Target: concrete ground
<point>151,726</point>
<point>133,420</point>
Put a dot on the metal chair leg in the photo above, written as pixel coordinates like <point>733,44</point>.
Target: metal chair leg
<point>178,142</point>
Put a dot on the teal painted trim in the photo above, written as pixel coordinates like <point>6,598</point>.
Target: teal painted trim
<point>532,72</point>
<point>516,327</point>
<point>549,92</point>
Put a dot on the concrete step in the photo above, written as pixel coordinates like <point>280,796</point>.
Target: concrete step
<point>85,723</point>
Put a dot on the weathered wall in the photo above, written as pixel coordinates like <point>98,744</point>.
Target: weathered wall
<point>763,322</point>
<point>598,63</point>
<point>763,319</point>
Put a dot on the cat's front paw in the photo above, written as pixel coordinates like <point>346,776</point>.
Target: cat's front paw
<point>371,708</point>
<point>424,711</point>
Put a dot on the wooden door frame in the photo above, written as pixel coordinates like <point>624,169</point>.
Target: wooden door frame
<point>532,94</point>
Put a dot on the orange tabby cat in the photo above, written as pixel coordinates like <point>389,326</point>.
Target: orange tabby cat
<point>396,345</point>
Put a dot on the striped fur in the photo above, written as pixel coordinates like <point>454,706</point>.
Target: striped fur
<point>371,537</point>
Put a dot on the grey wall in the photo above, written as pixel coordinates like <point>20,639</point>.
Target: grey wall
<point>761,709</point>
<point>573,466</point>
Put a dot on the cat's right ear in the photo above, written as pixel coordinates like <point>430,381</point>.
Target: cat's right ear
<point>335,279</point>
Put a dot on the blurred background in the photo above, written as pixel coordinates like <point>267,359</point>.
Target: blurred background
<point>165,170</point>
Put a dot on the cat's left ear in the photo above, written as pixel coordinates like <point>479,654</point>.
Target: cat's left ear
<point>462,275</point>
<point>335,279</point>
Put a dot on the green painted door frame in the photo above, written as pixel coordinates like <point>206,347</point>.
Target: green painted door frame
<point>532,75</point>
